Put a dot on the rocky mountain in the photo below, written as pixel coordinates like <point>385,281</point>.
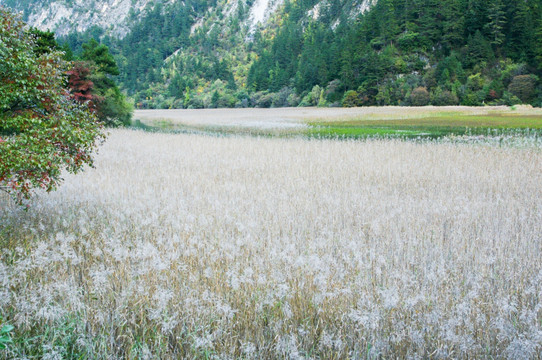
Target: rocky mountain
<point>116,17</point>
<point>65,16</point>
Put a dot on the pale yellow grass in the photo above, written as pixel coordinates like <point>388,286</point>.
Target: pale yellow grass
<point>185,246</point>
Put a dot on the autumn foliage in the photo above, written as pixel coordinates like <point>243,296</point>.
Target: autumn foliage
<point>44,130</point>
<point>80,84</point>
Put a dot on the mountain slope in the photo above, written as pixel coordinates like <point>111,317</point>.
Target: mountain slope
<point>164,47</point>
<point>223,53</point>
<point>224,42</point>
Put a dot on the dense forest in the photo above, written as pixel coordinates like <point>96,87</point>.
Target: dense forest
<point>400,52</point>
<point>414,52</point>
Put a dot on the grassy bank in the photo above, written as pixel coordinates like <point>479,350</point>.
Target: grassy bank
<point>425,122</point>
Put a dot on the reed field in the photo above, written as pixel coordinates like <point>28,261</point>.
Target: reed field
<point>186,246</point>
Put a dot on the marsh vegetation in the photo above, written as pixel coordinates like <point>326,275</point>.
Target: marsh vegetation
<point>196,246</point>
<point>364,122</point>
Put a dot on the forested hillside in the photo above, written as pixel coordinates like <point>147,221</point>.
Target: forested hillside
<point>415,52</point>
<point>199,53</point>
<point>212,53</point>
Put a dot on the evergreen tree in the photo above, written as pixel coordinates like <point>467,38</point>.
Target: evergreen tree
<point>100,56</point>
<point>475,16</point>
<point>497,20</point>
<point>521,37</point>
<point>45,41</point>
<point>111,105</point>
<point>478,50</point>
<point>538,46</point>
<point>453,25</point>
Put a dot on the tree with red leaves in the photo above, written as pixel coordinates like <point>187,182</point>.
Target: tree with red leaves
<point>44,130</point>
<point>80,84</point>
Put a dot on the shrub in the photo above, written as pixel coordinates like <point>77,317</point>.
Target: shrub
<point>475,82</point>
<point>293,99</point>
<point>476,98</point>
<point>510,99</point>
<point>351,99</point>
<point>262,99</point>
<point>280,99</point>
<point>420,97</point>
<point>313,97</point>
<point>523,86</point>
<point>510,70</point>
<point>333,91</point>
<point>443,98</point>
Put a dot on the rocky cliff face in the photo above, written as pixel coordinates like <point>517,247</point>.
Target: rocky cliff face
<point>65,16</point>
<point>117,16</point>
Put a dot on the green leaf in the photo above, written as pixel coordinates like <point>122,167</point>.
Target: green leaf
<point>6,329</point>
<point>4,339</point>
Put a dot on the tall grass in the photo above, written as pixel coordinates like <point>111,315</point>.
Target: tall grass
<point>187,246</point>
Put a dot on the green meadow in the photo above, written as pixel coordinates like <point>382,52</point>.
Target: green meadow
<point>434,126</point>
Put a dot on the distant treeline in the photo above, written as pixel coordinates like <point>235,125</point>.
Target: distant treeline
<point>414,52</point>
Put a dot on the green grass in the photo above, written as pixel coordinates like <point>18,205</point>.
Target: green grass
<point>360,131</point>
<point>434,126</point>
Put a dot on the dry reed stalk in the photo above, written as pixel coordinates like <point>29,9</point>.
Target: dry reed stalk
<point>185,246</point>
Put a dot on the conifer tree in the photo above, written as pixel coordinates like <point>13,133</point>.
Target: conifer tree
<point>111,105</point>
<point>497,20</point>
